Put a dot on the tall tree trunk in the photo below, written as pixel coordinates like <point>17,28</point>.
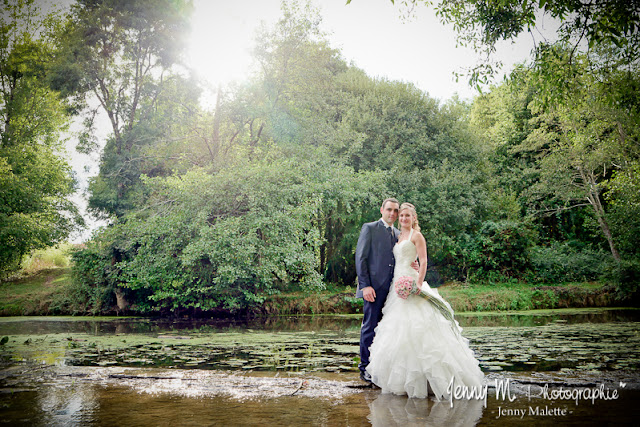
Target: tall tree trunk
<point>607,232</point>
<point>593,197</point>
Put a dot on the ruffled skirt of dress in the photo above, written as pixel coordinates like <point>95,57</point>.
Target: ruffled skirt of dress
<point>415,350</point>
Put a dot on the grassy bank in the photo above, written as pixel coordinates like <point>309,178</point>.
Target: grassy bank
<point>46,292</point>
<point>522,296</point>
<point>464,298</point>
<point>40,293</point>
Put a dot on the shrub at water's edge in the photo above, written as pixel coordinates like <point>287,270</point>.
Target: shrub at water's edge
<point>225,242</point>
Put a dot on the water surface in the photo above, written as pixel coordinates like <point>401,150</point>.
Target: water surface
<point>303,370</point>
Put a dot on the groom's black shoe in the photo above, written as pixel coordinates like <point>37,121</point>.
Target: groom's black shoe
<point>364,376</point>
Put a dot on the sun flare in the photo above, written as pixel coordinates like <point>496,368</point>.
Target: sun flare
<point>222,36</point>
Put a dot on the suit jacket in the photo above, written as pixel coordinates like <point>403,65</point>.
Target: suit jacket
<point>374,256</point>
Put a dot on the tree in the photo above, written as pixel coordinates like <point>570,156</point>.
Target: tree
<point>565,132</point>
<point>575,166</point>
<point>35,179</point>
<point>120,54</point>
<point>312,98</point>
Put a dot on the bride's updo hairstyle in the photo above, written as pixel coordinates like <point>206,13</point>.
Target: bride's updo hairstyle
<point>411,209</point>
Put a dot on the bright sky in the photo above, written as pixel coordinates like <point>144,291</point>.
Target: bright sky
<point>369,33</point>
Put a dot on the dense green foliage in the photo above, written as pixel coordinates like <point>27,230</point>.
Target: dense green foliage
<point>534,181</point>
<point>228,240</point>
<point>35,179</point>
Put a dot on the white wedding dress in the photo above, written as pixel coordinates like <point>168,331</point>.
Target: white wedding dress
<point>415,349</point>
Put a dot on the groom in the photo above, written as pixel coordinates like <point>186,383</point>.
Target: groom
<point>374,265</point>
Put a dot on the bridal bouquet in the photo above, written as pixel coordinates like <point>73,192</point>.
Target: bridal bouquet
<point>405,286</point>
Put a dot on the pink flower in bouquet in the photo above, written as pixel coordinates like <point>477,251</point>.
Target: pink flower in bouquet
<point>405,286</point>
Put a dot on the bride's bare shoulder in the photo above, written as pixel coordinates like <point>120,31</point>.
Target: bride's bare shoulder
<point>417,237</point>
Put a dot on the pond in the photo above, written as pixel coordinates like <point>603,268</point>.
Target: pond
<point>303,370</point>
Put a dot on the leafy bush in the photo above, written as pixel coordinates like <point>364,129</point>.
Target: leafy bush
<point>563,262</point>
<point>626,276</point>
<point>499,251</point>
<point>226,240</point>
<point>93,284</point>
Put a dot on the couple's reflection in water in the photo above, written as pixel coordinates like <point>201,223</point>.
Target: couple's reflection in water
<point>391,409</point>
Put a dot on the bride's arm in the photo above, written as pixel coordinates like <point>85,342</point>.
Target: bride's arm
<point>421,246</point>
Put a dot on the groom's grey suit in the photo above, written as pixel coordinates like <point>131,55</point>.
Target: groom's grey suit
<point>374,264</point>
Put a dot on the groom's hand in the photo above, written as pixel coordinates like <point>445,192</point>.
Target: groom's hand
<point>416,265</point>
<point>369,294</point>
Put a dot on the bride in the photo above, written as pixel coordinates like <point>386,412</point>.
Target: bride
<point>416,349</point>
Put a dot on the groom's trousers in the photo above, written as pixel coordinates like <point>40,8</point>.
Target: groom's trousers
<point>372,315</point>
